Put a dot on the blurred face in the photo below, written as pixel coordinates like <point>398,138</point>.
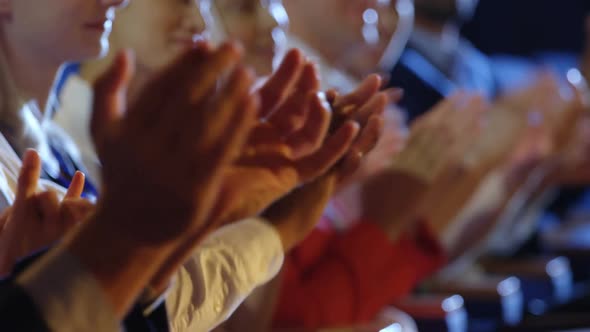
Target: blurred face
<point>260,25</point>
<point>158,30</point>
<point>60,30</point>
<point>337,22</point>
<point>354,34</point>
<point>379,23</point>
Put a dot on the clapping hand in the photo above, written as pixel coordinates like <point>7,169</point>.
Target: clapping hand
<point>37,220</point>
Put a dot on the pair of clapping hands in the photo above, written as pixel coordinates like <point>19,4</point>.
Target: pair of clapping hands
<point>452,148</point>
<point>197,149</point>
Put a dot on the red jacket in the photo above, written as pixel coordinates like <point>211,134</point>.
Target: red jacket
<point>339,279</point>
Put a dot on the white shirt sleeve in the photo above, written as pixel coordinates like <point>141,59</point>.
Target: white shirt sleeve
<point>222,272</point>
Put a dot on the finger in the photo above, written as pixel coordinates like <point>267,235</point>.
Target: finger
<point>309,79</point>
<point>226,108</point>
<point>366,141</point>
<point>232,142</point>
<point>438,113</point>
<point>110,91</point>
<point>291,116</point>
<point>349,165</point>
<point>74,211</point>
<point>309,138</point>
<point>29,176</point>
<point>362,93</point>
<point>369,135</point>
<point>179,87</point>
<point>224,58</point>
<point>330,153</point>
<point>375,106</point>
<point>573,116</point>
<point>241,124</point>
<point>76,187</point>
<point>468,115</point>
<point>277,87</point>
<point>394,95</point>
<point>193,81</point>
<point>331,96</point>
<point>51,227</point>
<point>264,137</point>
<point>48,204</point>
<point>4,218</point>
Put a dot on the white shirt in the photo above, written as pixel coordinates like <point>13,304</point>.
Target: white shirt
<point>74,117</point>
<point>225,268</point>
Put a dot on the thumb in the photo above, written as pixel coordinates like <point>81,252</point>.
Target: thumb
<point>110,96</point>
<point>29,176</point>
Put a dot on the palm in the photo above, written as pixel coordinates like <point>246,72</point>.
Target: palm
<point>186,119</point>
<point>280,157</point>
<point>296,142</point>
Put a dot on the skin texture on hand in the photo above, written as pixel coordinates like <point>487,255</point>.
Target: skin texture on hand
<point>37,220</point>
<point>434,145</point>
<point>189,122</point>
<point>295,215</point>
<point>523,132</point>
<point>295,145</point>
<point>290,146</point>
<point>158,189</point>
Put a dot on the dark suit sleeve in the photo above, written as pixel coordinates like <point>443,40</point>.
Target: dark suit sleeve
<point>419,96</point>
<point>17,310</point>
<point>157,321</point>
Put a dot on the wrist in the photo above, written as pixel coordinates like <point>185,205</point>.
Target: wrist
<point>285,236</point>
<point>144,221</point>
<point>121,264</point>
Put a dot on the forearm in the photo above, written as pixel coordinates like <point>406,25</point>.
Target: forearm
<point>122,266</point>
<point>296,215</point>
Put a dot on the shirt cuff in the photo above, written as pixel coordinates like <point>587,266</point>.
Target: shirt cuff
<point>68,296</point>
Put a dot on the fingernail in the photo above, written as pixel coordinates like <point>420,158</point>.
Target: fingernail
<point>29,156</point>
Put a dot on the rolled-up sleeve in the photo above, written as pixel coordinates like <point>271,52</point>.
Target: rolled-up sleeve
<point>222,272</point>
